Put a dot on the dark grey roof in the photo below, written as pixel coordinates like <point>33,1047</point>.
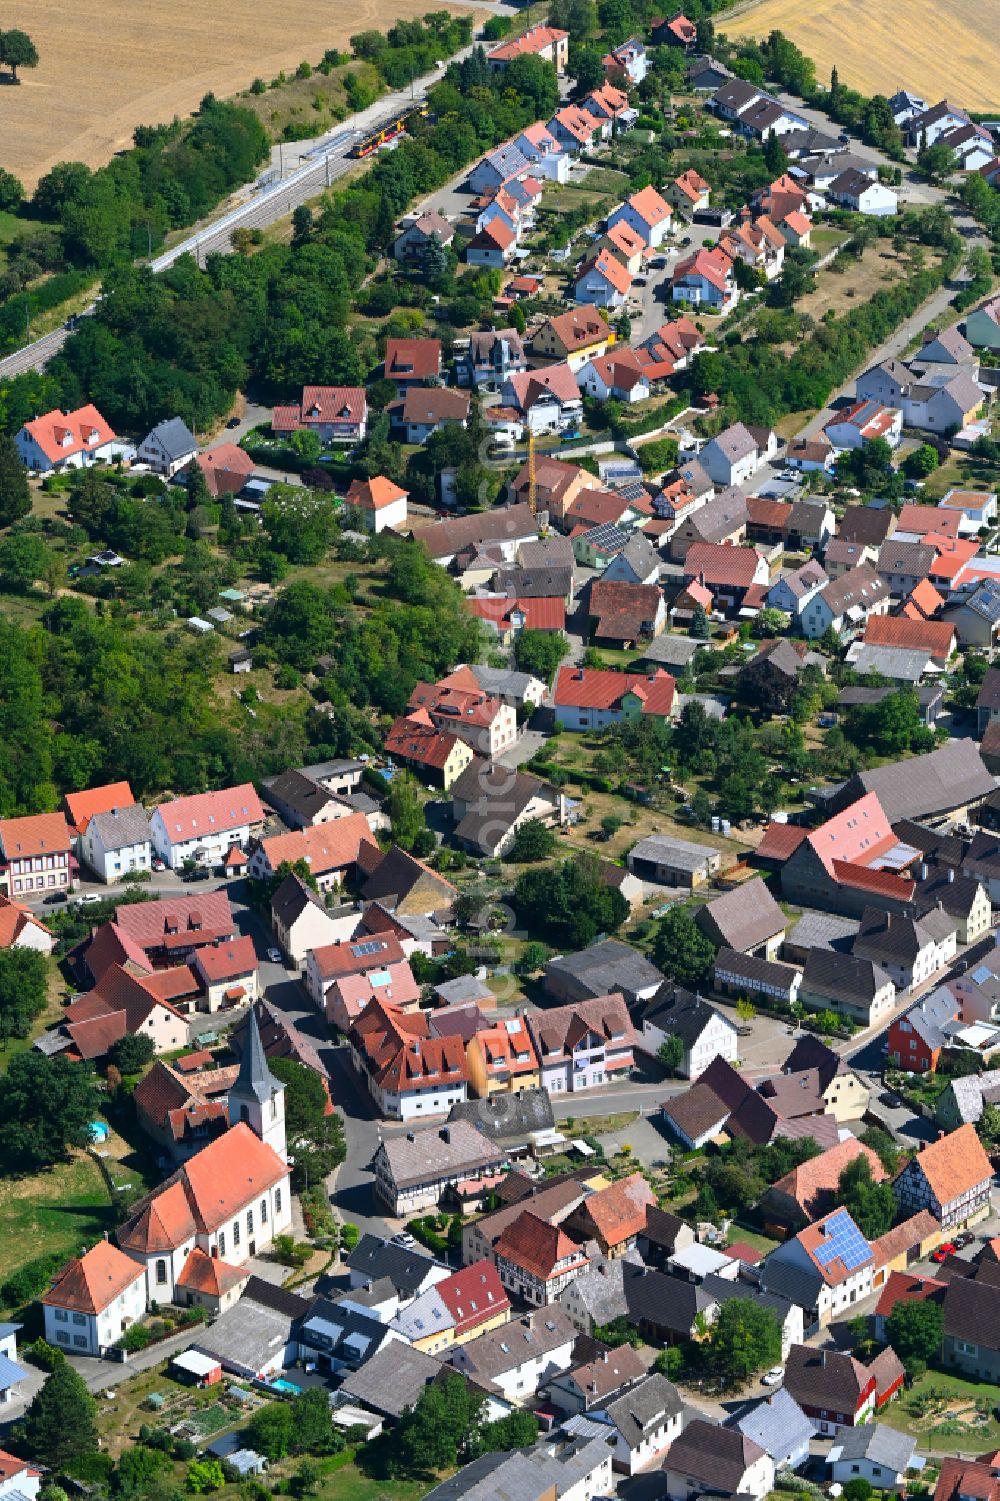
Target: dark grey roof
<point>506,1118</point>
<point>778,1424</point>
<point>956,895</point>
<point>718,1458</point>
<point>824,1378</point>
<point>395,876</point>
<point>972,1311</point>
<point>254,1080</point>
<point>674,1009</point>
<point>796,1284</point>
<point>393,1379</point>
<point>175,438</point>
<point>843,977</point>
<point>753,969</point>
<point>724,1290</point>
<point>665,1302</point>
<point>121,827</point>
<point>876,1442</point>
<point>502,1349</point>
<point>642,1409</point>
<point>946,778</point>
<point>292,898</point>
<point>299,793</point>
<point>661,1227</point>
<point>535,582</point>
<point>607,966</point>
<point>405,1267</point>
<point>824,931</point>
<point>503,683</point>
<point>742,918</point>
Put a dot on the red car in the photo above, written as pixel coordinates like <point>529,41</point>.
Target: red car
<point>943,1252</point>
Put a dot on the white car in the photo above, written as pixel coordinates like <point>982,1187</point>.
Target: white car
<point>274,955</point>
<point>774,1376</point>
<point>87,898</point>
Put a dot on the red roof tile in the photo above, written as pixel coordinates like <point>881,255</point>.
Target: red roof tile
<point>936,637</point>
<point>595,688</point>
<point>83,805</point>
<point>89,1283</point>
<point>36,834</point>
<point>211,813</point>
<point>538,1247</point>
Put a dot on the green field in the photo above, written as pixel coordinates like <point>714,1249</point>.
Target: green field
<point>60,1212</point>
<point>952,1422</point>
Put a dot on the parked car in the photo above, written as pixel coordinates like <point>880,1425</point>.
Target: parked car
<point>54,898</point>
<point>943,1252</point>
<point>274,955</point>
<point>233,422</point>
<point>774,1376</point>
<point>402,1238</point>
<point>86,899</point>
<point>963,1240</point>
<point>158,864</point>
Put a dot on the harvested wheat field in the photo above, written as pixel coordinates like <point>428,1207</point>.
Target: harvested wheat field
<point>934,48</point>
<point>109,65</point>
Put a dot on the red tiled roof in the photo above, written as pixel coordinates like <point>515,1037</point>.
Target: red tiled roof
<point>196,917</point>
<point>764,512</point>
<point>715,563</point>
<point>401,1054</point>
<point>936,637</point>
<point>650,207</point>
<point>713,266</point>
<point>89,1283</point>
<point>595,688</point>
<point>618,1212</point>
<point>85,428</point>
<point>412,359</point>
<point>906,1287</point>
<point>13,921</point>
<point>923,519</point>
<point>780,841</point>
<point>537,1246</point>
<point>879,882</point>
<point>227,961</point>
<point>924,601</point>
<point>954,1164</point>
<point>209,813</point>
<point>858,833</point>
<point>413,737</point>
<point>83,805</point>
<point>356,956</point>
<point>611,268</point>
<point>374,494</point>
<point>326,846</point>
<point>578,328</point>
<point>36,834</point>
<point>226,468</point>
<point>208,1190</point>
<point>535,39</point>
<point>473,1295</point>
<point>202,1273</point>
<point>690,183</point>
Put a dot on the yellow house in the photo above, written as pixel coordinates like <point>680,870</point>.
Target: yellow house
<point>576,337</point>
<point>502,1060</point>
<point>898,1249</point>
<point>463,1306</point>
<point>846,1097</point>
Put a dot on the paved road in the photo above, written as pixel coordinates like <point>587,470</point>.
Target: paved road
<point>266,202</point>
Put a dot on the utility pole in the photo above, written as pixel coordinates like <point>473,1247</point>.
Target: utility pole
<point>27,318</point>
<point>281,159</point>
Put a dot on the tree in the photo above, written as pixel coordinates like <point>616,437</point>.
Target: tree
<point>204,1475</point>
<point>17,50</point>
<point>988,1127</point>
<point>585,68</point>
<point>775,155</point>
<point>305,1098</point>
<point>871,1205</point>
<point>405,810</point>
<point>311,1420</point>
<point>137,1467</point>
<point>271,1430</point>
<point>11,191</point>
<point>533,841</point>
<point>60,1423</point>
<point>569,904</point>
<point>15,495</point>
<point>920,462</point>
<point>671,1052</point>
<point>937,161</point>
<point>540,652</point>
<point>681,950</point>
<point>23,556</point>
<point>745,1339</point>
<point>132,1052</point>
<point>699,624</point>
<point>915,1330</point>
<point>23,991</point>
<point>46,1106</point>
<point>534,956</point>
<point>430,1435</point>
<point>884,1147</point>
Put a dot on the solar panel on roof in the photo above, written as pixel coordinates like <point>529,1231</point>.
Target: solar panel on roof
<point>360,949</point>
<point>844,1243</point>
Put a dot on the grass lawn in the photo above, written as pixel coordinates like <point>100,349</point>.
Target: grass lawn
<point>761,1243</point>
<point>824,240</point>
<point>940,1411</point>
<point>349,1484</point>
<point>59,1212</point>
<point>53,1009</point>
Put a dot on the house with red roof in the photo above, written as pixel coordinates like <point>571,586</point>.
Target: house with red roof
<point>336,414</point>
<point>575,336</point>
<point>706,279</point>
<point>435,755</point>
<point>627,64</point>
<point>35,854</point>
<point>728,572</point>
<point>575,128</point>
<point>17,1477</point>
<point>678,31</point>
<point>614,1216</point>
<point>487,724</point>
<point>608,103</point>
<point>548,397</point>
<point>935,637</point>
<point>206,1282</point>
<point>476,1300</point>
<point>508,616</point>
<point>408,1072</point>
<point>905,1287</point>
<point>536,1261</point>
<point>226,469</point>
<point>380,502</point>
<point>94,1299</point>
<point>689,192</point>
<point>492,246</point>
<point>411,362</point>
<point>229,1200</point>
<point>547,42</point>
<point>341,978</point>
<point>59,441</point>
<point>21,929</point>
<point>859,423</point>
<point>838,866</point>
<point>591,698</point>
<point>80,807</point>
<point>619,375</point>
<point>647,213</point>
<point>204,827</point>
<point>331,850</point>
<point>228,973</point>
<point>181,1114</point>
<point>603,281</point>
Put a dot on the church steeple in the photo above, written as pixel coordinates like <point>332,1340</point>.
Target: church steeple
<point>257,1097</point>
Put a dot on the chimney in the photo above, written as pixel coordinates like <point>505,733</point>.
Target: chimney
<point>951,872</point>
<point>411,1136</point>
<point>445,1134</point>
<point>922,870</point>
<point>822,1357</point>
